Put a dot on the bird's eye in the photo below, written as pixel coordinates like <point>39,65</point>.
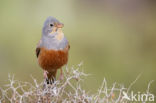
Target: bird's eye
<point>51,25</point>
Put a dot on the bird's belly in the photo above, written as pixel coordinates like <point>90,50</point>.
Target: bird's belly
<point>52,59</point>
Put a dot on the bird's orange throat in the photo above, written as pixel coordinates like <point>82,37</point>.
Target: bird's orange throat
<point>60,34</point>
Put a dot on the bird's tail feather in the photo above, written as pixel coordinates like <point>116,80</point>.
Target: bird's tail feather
<point>51,76</point>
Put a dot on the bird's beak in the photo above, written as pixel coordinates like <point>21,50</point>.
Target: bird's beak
<point>60,25</point>
<point>57,27</point>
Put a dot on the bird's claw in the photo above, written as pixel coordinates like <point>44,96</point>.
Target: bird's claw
<point>45,74</point>
<point>61,75</point>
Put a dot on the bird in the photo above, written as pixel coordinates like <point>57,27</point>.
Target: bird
<point>52,49</point>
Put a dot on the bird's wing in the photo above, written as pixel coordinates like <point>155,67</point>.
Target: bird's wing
<point>38,49</point>
<point>68,46</point>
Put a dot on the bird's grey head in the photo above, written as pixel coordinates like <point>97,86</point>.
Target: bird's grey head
<point>52,35</point>
<point>51,26</point>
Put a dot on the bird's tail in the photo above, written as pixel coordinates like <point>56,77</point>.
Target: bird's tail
<point>51,76</point>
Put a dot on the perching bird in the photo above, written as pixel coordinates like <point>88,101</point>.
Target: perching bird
<point>52,49</point>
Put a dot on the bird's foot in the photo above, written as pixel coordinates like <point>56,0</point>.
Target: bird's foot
<point>45,74</point>
<point>61,75</point>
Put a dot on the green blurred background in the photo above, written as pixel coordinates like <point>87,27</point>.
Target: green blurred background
<point>115,39</point>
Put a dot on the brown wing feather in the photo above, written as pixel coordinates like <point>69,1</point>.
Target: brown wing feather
<point>38,49</point>
<point>68,46</point>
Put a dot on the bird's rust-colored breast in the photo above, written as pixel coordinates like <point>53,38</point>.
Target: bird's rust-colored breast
<point>52,59</point>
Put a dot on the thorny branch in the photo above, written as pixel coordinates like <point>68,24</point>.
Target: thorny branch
<point>66,91</point>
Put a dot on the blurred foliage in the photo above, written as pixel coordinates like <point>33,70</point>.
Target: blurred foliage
<point>114,39</point>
